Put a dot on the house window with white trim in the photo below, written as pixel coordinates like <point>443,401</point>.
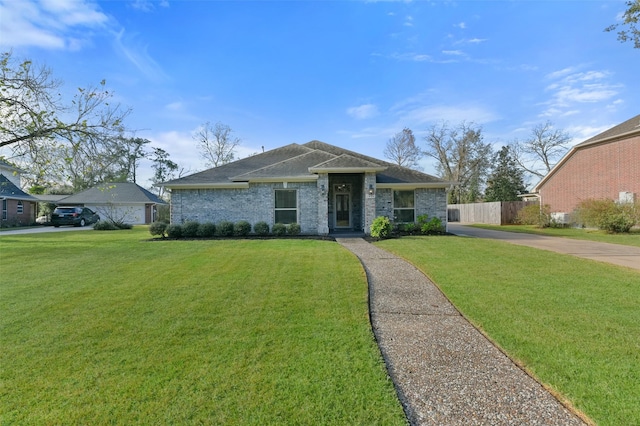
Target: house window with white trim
<point>20,208</point>
<point>286,206</point>
<point>404,210</point>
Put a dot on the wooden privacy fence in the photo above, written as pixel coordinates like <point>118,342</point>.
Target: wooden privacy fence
<point>495,213</point>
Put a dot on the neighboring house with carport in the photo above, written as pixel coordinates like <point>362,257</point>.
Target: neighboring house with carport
<point>323,188</point>
<point>18,207</point>
<point>606,166</point>
<point>117,201</point>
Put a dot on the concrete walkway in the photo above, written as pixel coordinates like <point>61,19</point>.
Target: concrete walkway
<point>616,254</point>
<point>445,371</point>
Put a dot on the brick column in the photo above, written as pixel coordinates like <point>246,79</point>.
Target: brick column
<point>369,201</point>
<point>323,203</point>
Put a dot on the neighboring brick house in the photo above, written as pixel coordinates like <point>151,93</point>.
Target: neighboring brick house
<point>322,187</point>
<point>607,166</point>
<point>118,201</point>
<point>18,207</point>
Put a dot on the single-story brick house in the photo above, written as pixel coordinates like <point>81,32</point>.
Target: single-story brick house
<point>18,207</point>
<point>321,187</point>
<point>119,201</point>
<point>606,166</point>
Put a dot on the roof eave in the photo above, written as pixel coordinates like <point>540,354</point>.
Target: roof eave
<point>209,185</point>
<point>411,185</point>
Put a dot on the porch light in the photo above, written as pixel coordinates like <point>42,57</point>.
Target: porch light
<point>323,190</point>
<point>371,192</point>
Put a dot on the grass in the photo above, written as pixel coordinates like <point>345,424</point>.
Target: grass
<point>105,328</point>
<point>629,239</point>
<point>573,323</point>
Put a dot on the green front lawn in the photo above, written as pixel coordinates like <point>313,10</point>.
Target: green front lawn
<point>574,323</point>
<point>106,328</point>
<point>630,239</point>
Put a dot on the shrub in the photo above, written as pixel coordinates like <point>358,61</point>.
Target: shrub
<point>206,230</point>
<point>241,228</point>
<point>411,228</point>
<point>607,215</point>
<point>224,229</point>
<point>158,228</point>
<point>105,225</point>
<point>381,227</point>
<point>431,226</point>
<point>261,228</point>
<point>532,214</point>
<point>279,229</point>
<point>190,229</point>
<point>294,229</point>
<point>174,231</point>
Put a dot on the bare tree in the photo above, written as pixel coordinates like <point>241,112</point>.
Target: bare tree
<point>538,154</point>
<point>216,143</point>
<point>462,156</point>
<point>31,109</point>
<point>630,18</point>
<point>402,149</point>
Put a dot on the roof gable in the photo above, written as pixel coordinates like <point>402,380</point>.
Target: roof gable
<point>296,167</point>
<point>9,189</point>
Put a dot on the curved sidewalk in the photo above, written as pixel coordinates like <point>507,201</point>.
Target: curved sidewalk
<point>616,254</point>
<point>445,371</point>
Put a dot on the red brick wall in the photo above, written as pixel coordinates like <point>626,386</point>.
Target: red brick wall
<point>27,217</point>
<point>599,171</point>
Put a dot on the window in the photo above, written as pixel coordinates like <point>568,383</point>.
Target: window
<point>286,210</point>
<point>404,206</point>
<point>4,209</point>
<point>20,208</point>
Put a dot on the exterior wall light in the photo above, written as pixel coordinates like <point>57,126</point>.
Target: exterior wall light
<point>371,191</point>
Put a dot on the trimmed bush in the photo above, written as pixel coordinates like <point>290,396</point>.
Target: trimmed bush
<point>381,227</point>
<point>431,226</point>
<point>105,225</point>
<point>190,229</point>
<point>261,228</point>
<point>158,228</point>
<point>294,229</point>
<point>206,230</point>
<point>607,215</point>
<point>174,231</point>
<point>224,229</point>
<point>241,228</point>
<point>532,214</point>
<point>279,229</point>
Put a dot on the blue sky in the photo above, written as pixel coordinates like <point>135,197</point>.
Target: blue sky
<point>350,73</point>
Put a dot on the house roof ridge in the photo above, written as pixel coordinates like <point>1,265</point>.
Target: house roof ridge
<point>279,163</point>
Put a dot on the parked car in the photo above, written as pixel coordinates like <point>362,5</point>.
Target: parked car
<point>76,216</point>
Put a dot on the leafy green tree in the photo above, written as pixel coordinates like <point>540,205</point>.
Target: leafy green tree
<point>630,18</point>
<point>462,157</point>
<point>163,167</point>
<point>506,182</point>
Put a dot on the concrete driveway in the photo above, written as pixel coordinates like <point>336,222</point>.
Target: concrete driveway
<point>42,229</point>
<point>611,253</point>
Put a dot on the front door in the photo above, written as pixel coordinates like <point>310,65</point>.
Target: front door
<point>343,206</point>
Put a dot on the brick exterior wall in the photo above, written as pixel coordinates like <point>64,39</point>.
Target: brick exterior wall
<point>253,204</point>
<point>429,201</point>
<point>594,172</point>
<point>27,217</point>
<point>315,209</point>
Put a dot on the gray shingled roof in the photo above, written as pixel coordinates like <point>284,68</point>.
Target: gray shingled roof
<point>302,162</point>
<point>9,189</point>
<point>115,192</point>
<point>621,129</point>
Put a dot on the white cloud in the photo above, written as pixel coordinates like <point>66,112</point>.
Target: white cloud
<point>363,111</point>
<point>461,25</point>
<point>431,114</point>
<point>570,88</point>
<point>137,54</point>
<point>49,24</point>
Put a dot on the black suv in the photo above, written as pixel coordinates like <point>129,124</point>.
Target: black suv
<point>76,216</point>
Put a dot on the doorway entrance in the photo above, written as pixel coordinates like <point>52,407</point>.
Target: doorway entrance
<point>342,193</point>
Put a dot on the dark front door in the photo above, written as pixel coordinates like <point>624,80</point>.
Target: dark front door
<point>343,211</point>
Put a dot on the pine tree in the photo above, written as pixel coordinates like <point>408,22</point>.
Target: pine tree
<point>506,181</point>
